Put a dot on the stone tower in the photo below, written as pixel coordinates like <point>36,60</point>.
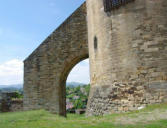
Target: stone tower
<point>128,54</point>
<point>127,44</point>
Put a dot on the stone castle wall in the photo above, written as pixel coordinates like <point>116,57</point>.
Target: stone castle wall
<point>9,102</point>
<point>16,105</point>
<point>128,56</point>
<point>47,68</point>
<point>127,52</point>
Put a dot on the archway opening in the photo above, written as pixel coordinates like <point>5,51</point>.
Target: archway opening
<point>77,88</point>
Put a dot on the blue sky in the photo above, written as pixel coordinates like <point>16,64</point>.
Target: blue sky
<point>24,24</point>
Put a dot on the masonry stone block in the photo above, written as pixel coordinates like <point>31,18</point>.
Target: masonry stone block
<point>127,48</point>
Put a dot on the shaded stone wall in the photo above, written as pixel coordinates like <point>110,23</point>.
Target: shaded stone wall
<point>128,56</point>
<point>47,68</point>
<point>8,104</point>
<point>16,105</point>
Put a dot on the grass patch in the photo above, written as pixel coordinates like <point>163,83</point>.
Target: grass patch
<point>44,119</point>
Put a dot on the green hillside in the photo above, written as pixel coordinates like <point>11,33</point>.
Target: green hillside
<point>151,117</point>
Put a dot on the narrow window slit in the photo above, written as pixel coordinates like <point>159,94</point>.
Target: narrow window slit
<point>95,43</point>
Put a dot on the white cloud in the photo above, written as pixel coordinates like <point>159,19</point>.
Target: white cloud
<point>86,61</point>
<point>80,73</point>
<point>11,72</point>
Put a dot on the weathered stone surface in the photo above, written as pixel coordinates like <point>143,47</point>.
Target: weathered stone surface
<point>127,52</point>
<point>8,104</point>
<point>47,68</point>
<point>129,66</point>
<point>16,105</point>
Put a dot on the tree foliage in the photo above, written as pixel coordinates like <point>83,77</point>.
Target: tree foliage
<point>78,96</point>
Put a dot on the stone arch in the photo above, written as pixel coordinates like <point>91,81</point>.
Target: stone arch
<point>128,69</point>
<point>46,69</point>
<point>67,68</point>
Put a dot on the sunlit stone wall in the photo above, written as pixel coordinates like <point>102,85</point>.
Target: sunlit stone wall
<point>128,55</point>
<point>47,68</point>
